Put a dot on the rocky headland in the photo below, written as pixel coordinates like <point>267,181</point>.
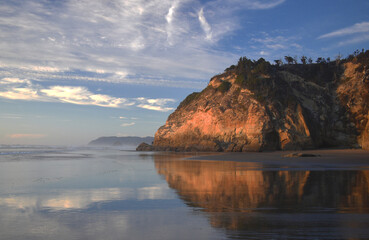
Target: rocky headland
<point>258,106</point>
<point>120,141</point>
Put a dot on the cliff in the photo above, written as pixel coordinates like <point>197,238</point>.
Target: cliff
<point>256,106</point>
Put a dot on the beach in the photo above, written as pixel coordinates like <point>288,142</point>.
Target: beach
<point>324,158</point>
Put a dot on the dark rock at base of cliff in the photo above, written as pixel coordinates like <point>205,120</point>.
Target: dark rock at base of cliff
<point>145,147</point>
<point>301,155</point>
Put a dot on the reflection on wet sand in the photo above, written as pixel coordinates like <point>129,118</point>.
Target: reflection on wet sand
<point>230,187</point>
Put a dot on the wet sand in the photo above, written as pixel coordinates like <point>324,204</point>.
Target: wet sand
<point>325,158</point>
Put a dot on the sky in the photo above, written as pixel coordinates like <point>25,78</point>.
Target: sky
<point>74,70</point>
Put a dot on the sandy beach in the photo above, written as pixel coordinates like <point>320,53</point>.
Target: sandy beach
<point>325,158</point>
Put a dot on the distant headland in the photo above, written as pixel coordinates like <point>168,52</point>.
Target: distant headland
<point>120,141</point>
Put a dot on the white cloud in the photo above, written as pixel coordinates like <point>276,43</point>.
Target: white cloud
<point>121,74</point>
<point>81,96</point>
<point>262,5</point>
<point>13,81</point>
<point>357,39</point>
<point>155,104</point>
<point>21,93</point>
<point>18,89</point>
<point>275,46</point>
<point>362,27</point>
<point>264,53</point>
<point>155,108</point>
<point>99,71</point>
<point>170,14</point>
<point>205,25</point>
<point>10,116</point>
<point>26,136</point>
<point>44,69</point>
<point>128,124</point>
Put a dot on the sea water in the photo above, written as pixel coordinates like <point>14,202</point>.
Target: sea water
<point>101,193</point>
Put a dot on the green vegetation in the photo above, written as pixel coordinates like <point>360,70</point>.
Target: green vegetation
<point>362,59</point>
<point>264,79</point>
<point>224,86</point>
<point>240,80</point>
<point>189,99</point>
<point>253,75</point>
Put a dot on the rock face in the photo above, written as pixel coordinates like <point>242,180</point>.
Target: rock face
<point>255,106</point>
<point>354,95</point>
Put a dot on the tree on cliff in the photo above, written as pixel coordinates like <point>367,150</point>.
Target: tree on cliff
<point>289,59</point>
<point>278,62</point>
<point>303,59</point>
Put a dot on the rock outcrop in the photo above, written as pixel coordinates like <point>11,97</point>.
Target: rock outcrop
<point>256,106</point>
<point>354,95</point>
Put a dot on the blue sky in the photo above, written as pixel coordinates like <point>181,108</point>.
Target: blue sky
<point>71,71</point>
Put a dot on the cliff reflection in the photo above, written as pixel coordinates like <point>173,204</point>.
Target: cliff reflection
<point>230,187</point>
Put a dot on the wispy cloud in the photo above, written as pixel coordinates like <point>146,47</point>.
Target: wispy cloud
<point>128,124</point>
<point>26,136</point>
<point>10,116</point>
<point>362,27</point>
<point>82,96</point>
<point>205,25</point>
<point>12,81</point>
<point>131,41</point>
<point>269,45</point>
<point>155,104</point>
<point>21,94</point>
<point>276,42</point>
<point>262,5</point>
<point>357,39</point>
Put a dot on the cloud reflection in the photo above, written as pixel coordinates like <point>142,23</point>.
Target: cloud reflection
<point>83,198</point>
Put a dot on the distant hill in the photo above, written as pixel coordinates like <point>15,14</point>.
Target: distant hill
<point>120,141</point>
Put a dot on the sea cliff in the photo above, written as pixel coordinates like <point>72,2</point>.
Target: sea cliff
<point>257,106</point>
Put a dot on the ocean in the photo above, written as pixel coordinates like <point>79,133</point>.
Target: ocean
<point>104,193</point>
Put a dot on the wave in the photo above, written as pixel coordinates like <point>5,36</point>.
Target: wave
<point>32,149</point>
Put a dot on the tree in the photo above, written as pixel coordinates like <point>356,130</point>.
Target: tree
<point>289,59</point>
<point>303,59</point>
<point>295,60</point>
<point>319,60</point>
<point>310,61</point>
<point>356,53</point>
<point>278,62</point>
<point>338,59</point>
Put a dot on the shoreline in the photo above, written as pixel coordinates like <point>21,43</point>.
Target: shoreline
<point>325,158</point>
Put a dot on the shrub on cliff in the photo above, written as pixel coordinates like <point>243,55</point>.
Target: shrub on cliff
<point>363,60</point>
<point>224,86</point>
<point>240,80</point>
<point>189,99</point>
